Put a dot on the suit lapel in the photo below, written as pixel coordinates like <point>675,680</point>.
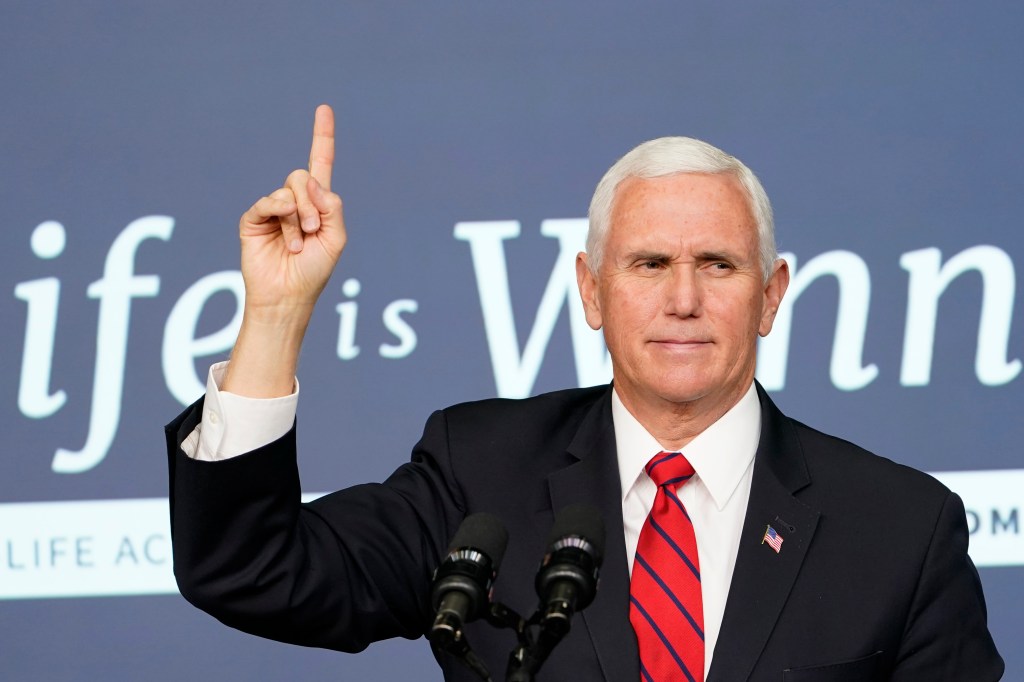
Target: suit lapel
<point>762,579</point>
<point>593,478</point>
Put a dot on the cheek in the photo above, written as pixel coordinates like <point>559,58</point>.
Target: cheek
<point>626,324</point>
<point>739,316</point>
<point>625,303</point>
<point>634,315</point>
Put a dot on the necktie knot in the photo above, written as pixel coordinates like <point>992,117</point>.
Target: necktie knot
<point>669,469</point>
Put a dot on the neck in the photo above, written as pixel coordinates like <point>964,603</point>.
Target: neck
<point>675,424</point>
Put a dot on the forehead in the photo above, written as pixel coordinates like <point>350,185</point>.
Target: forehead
<point>684,201</point>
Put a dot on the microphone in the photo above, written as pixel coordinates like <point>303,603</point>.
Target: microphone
<point>567,578</point>
<point>566,582</point>
<point>462,584</point>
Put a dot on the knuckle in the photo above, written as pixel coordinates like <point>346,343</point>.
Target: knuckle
<point>297,177</point>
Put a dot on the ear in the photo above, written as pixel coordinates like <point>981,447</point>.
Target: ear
<point>587,283</point>
<point>774,290</point>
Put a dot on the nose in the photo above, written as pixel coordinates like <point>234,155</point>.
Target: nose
<point>682,293</point>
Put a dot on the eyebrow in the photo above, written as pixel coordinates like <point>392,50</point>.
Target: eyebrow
<point>662,257</point>
<point>635,256</point>
<point>716,255</point>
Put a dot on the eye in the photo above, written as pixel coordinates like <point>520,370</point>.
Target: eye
<point>648,264</point>
<point>720,267</point>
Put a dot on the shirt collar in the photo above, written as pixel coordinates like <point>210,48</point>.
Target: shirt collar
<point>720,454</point>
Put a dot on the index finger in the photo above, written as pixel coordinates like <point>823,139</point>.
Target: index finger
<point>321,153</point>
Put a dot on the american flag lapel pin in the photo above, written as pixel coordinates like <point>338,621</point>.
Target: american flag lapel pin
<point>773,539</point>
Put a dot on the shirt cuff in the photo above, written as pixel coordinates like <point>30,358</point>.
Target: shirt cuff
<point>232,425</point>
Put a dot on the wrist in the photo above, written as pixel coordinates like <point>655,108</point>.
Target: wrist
<point>282,314</point>
<point>266,353</point>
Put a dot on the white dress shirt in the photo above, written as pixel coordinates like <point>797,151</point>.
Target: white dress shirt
<point>715,498</point>
<point>233,425</point>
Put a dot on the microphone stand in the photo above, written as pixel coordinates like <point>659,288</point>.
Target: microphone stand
<point>455,643</point>
<point>526,659</point>
<point>530,653</point>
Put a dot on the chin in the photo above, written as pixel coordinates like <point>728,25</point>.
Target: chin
<point>671,383</point>
<point>681,392</point>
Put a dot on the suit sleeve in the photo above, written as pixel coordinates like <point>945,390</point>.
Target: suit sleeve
<point>947,636</point>
<point>348,569</point>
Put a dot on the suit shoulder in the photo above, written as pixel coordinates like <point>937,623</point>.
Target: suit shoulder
<point>841,463</point>
<point>550,414</point>
<point>560,402</point>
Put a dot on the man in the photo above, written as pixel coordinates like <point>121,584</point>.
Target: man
<point>797,556</point>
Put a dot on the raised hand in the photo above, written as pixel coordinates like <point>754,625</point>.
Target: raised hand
<point>291,241</point>
<point>292,238</point>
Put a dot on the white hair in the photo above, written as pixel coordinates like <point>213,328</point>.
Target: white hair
<point>669,156</point>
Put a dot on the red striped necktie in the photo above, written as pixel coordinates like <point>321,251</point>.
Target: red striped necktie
<point>666,608</point>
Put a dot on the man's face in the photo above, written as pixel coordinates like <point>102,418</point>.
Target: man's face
<point>680,293</point>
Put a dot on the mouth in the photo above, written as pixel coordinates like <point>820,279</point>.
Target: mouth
<point>681,344</point>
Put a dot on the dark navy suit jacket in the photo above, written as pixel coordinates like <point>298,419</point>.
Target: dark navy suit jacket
<point>872,582</point>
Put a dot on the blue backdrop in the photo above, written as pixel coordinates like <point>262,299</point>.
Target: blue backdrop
<point>132,137</point>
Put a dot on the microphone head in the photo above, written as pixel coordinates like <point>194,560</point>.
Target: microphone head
<point>482,532</point>
<point>581,521</point>
<point>461,585</point>
<point>568,575</point>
